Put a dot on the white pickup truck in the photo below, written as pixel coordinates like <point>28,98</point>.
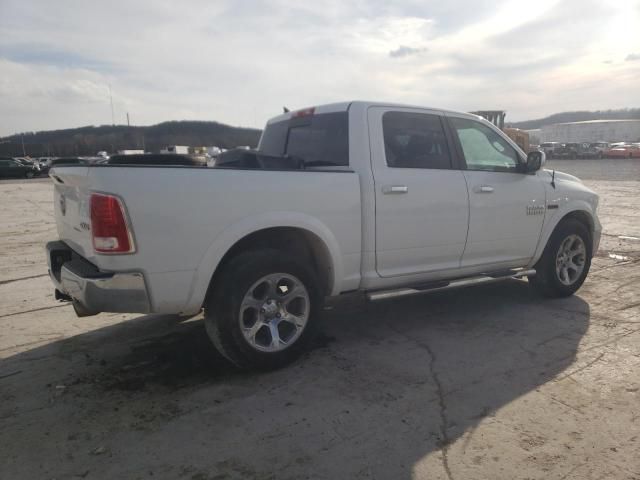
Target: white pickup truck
<point>380,198</point>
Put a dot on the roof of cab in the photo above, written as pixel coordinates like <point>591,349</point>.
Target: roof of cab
<point>344,106</point>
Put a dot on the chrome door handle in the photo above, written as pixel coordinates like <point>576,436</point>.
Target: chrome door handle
<point>390,189</point>
<point>484,189</point>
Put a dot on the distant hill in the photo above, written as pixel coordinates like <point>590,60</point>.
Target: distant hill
<point>622,114</point>
<point>90,140</point>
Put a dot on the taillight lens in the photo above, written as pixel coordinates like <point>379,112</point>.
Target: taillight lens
<point>109,227</point>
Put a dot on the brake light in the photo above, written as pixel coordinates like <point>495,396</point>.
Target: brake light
<point>109,228</point>
<point>307,112</point>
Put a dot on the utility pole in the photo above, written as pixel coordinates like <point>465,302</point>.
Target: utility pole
<point>113,121</point>
<point>24,151</point>
<point>128,124</point>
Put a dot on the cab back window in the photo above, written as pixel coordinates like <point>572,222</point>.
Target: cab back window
<point>317,140</point>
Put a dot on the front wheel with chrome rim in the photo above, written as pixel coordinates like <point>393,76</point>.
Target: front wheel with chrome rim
<point>566,260</point>
<point>261,310</point>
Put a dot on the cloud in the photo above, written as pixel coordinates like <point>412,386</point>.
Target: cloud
<point>239,61</point>
<point>43,54</point>
<point>632,57</point>
<point>404,51</point>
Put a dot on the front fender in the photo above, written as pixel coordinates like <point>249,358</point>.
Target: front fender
<point>554,217</point>
<point>237,231</point>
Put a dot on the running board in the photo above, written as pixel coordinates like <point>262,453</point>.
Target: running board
<point>448,285</point>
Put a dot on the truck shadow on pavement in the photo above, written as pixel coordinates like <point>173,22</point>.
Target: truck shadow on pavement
<point>385,386</point>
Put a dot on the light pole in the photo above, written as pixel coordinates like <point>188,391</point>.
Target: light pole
<point>113,121</point>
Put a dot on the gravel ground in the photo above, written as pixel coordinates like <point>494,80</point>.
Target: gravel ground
<point>486,382</point>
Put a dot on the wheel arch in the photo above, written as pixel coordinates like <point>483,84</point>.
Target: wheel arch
<point>581,213</point>
<point>298,233</point>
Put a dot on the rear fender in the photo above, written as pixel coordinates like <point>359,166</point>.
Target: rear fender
<point>236,232</point>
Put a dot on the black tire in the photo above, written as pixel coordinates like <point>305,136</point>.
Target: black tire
<point>223,304</point>
<point>547,281</point>
<point>29,174</point>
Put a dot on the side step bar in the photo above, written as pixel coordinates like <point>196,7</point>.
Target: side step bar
<point>448,285</point>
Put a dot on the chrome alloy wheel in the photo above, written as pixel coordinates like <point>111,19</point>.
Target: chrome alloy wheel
<point>570,259</point>
<point>274,312</point>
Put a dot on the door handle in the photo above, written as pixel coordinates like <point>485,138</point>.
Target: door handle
<point>394,189</point>
<point>484,189</point>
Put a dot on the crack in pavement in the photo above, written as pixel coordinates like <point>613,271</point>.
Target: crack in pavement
<point>11,280</point>
<point>444,422</point>
<point>34,310</point>
<point>580,369</point>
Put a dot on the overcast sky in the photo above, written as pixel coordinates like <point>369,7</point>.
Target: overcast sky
<point>239,62</point>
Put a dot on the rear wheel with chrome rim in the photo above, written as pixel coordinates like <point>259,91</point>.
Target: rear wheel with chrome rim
<point>565,262</point>
<point>262,310</point>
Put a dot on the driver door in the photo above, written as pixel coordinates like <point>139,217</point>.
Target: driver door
<point>506,205</point>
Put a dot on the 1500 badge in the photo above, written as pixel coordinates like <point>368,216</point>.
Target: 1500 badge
<point>535,210</point>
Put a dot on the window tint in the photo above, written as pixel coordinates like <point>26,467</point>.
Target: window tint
<point>318,140</point>
<point>483,148</point>
<point>415,140</point>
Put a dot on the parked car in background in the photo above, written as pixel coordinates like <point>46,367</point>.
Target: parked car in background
<point>29,162</point>
<point>386,199</point>
<point>588,150</point>
<point>623,151</point>
<point>12,168</point>
<point>567,150</point>
<point>549,148</point>
<point>45,163</point>
<point>602,147</point>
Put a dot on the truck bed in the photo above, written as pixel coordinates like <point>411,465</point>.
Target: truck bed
<point>183,218</point>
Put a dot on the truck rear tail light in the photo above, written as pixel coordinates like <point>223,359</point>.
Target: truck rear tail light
<point>109,227</point>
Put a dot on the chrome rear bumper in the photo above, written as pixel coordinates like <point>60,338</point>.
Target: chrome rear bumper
<point>92,290</point>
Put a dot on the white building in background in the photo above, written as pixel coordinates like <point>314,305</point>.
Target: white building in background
<point>592,131</point>
<point>534,136</point>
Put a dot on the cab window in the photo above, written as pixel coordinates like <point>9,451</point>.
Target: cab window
<point>483,148</point>
<point>415,140</point>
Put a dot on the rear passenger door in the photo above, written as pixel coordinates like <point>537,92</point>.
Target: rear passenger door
<point>422,206</point>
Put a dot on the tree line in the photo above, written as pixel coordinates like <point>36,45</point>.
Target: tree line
<point>581,116</point>
<point>87,141</point>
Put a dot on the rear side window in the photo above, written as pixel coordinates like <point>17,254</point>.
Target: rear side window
<point>317,140</point>
<point>415,140</point>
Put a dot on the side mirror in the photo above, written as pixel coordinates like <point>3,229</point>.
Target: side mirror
<point>535,160</point>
